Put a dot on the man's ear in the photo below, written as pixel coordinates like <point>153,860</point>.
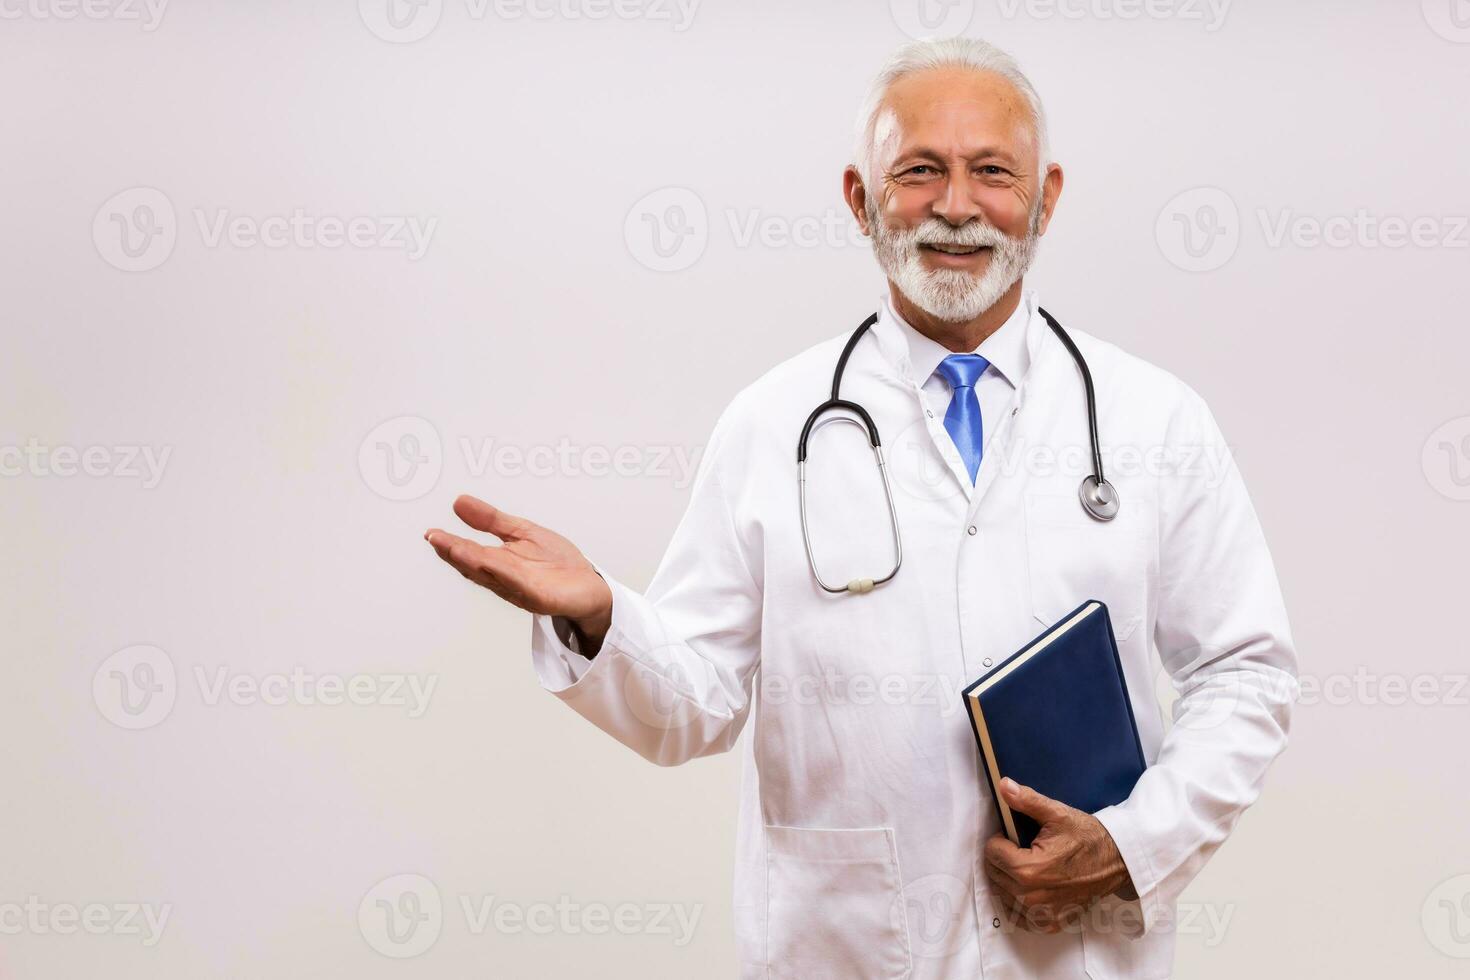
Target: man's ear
<point>1051,190</point>
<point>856,196</point>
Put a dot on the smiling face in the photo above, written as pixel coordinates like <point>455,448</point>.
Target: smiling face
<point>955,201</point>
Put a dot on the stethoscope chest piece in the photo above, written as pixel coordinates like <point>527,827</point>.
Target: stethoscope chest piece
<point>1099,498</point>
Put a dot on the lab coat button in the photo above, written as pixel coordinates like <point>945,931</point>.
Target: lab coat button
<point>995,922</point>
<point>970,529</point>
<point>985,662</point>
<point>929,412</point>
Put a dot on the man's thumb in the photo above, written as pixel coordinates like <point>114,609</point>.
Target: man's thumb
<point>1028,801</point>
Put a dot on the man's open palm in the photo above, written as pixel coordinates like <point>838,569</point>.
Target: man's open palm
<point>536,569</point>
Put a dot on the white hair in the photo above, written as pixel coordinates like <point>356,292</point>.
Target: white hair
<point>953,52</point>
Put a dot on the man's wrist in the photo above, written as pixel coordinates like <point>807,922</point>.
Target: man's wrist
<point>590,633</point>
<point>1123,887</point>
<point>592,630</point>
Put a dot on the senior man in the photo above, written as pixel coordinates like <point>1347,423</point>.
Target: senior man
<point>867,844</point>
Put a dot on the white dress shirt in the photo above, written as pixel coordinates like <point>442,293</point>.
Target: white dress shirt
<point>1005,349</point>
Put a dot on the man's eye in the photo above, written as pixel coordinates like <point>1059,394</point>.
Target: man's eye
<point>991,170</point>
<point>923,166</point>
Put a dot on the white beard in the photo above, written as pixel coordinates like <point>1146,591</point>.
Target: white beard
<point>952,295</point>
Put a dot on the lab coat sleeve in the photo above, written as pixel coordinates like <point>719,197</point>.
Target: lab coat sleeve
<point>1223,637</point>
<point>673,677</point>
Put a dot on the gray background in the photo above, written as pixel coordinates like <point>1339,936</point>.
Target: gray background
<point>542,314</point>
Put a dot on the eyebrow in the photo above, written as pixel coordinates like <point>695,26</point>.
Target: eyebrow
<point>933,154</point>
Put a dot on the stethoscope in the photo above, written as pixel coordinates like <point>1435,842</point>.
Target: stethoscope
<point>1099,497</point>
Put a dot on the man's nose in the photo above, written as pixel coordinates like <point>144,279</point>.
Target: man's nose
<point>957,204</point>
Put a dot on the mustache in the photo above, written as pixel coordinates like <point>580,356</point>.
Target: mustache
<point>974,233</point>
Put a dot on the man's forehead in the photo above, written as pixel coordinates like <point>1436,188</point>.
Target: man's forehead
<point>974,125</point>
<point>940,89</point>
<point>980,107</point>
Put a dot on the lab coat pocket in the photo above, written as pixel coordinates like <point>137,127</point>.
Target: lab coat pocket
<point>1072,557</point>
<point>835,905</point>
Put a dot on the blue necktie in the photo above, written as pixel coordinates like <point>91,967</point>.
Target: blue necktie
<point>962,421</point>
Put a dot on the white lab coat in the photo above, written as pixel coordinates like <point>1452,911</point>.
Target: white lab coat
<point>863,811</point>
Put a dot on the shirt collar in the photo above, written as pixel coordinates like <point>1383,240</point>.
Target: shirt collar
<point>1009,349</point>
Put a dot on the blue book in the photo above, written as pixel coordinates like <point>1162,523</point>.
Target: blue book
<point>1055,716</point>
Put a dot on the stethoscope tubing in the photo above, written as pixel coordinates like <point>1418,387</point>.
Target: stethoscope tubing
<point>1098,497</point>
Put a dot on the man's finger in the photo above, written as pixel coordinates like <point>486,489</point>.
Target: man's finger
<point>1014,862</point>
<point>1005,877</point>
<point>1001,853</point>
<point>489,518</point>
<point>450,546</point>
<point>1030,913</point>
<point>462,553</point>
<point>1030,802</point>
<point>1003,882</point>
<point>482,564</point>
<point>1006,888</point>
